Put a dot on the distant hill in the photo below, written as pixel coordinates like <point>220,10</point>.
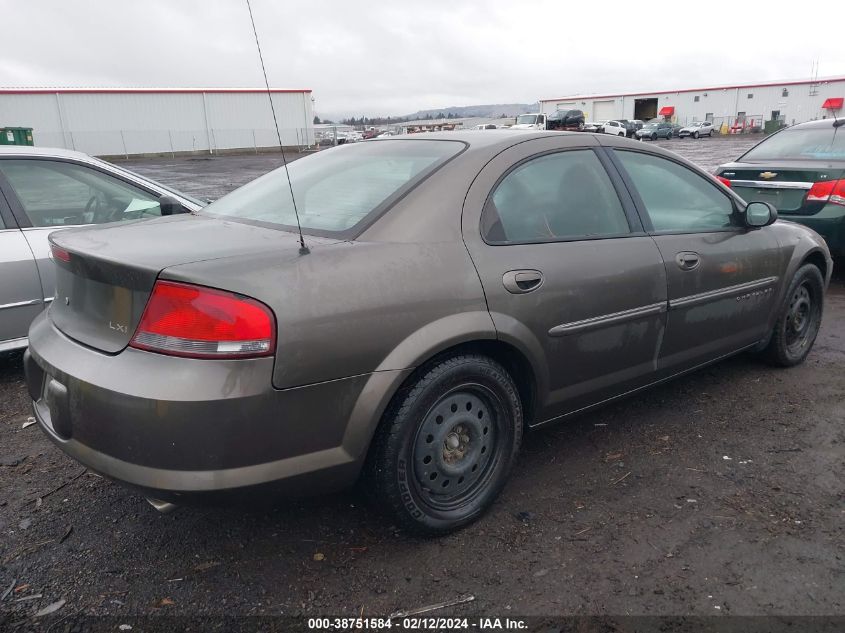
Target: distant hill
<point>491,110</point>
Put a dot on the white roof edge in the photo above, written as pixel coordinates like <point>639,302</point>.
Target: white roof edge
<point>765,84</point>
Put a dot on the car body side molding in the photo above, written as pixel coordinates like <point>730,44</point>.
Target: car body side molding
<point>608,319</point>
<point>721,293</point>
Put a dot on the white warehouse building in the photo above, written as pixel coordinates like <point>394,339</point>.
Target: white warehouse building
<point>732,106</point>
<point>115,122</point>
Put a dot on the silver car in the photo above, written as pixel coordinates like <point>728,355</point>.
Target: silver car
<point>42,190</point>
<point>697,129</point>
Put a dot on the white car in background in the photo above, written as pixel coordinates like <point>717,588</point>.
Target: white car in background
<point>615,128</point>
<point>697,129</point>
<point>44,190</point>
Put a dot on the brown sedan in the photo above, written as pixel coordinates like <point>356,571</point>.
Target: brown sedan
<point>453,290</point>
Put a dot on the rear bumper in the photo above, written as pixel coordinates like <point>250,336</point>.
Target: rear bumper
<point>179,429</point>
<point>829,223</point>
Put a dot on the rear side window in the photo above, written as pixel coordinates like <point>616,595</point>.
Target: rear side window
<point>557,196</point>
<point>824,143</point>
<point>677,198</point>
<point>57,193</point>
<point>336,190</point>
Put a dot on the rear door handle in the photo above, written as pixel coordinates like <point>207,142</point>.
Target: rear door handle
<point>521,281</point>
<point>687,260</point>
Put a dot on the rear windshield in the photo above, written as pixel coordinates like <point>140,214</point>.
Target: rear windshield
<point>336,190</point>
<point>807,143</point>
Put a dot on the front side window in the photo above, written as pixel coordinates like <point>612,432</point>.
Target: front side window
<point>337,189</point>
<point>58,193</point>
<point>677,198</point>
<point>557,196</point>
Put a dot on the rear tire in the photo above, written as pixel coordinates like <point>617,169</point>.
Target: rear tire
<point>446,445</point>
<point>695,135</point>
<point>799,319</point>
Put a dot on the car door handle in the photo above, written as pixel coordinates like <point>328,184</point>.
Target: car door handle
<point>521,281</point>
<point>687,260</point>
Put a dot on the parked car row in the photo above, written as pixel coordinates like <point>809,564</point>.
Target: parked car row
<point>419,321</point>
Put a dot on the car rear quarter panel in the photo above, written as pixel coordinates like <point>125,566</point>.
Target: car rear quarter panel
<point>357,307</point>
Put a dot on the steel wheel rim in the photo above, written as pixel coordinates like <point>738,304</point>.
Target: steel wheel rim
<point>800,319</point>
<point>456,448</point>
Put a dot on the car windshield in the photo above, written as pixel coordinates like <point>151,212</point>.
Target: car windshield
<point>526,119</point>
<point>809,143</point>
<point>335,189</point>
<point>650,125</point>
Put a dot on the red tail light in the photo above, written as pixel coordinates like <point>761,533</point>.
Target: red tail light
<point>832,191</point>
<point>59,253</point>
<point>724,181</point>
<point>195,321</point>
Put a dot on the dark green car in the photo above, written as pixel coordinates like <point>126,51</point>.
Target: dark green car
<point>801,171</point>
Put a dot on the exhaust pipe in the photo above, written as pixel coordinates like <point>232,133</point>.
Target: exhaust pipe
<point>164,507</point>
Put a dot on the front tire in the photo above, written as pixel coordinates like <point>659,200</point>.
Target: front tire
<point>799,319</point>
<point>446,444</point>
<point>695,135</point>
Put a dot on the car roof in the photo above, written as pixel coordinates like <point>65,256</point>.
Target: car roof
<point>55,152</point>
<point>476,139</point>
<point>814,124</point>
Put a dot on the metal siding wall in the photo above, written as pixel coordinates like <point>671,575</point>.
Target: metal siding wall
<point>136,123</point>
<point>40,112</point>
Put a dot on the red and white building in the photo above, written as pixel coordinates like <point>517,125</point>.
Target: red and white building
<point>790,101</point>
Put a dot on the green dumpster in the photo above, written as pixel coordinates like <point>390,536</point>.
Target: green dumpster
<point>16,136</point>
<point>772,126</point>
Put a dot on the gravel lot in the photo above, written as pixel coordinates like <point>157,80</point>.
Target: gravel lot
<point>719,493</point>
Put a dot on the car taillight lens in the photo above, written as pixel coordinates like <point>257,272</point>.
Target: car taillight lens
<point>186,320</point>
<point>59,253</point>
<point>832,191</point>
<point>724,181</point>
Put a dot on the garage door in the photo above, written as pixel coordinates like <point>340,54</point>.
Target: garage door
<point>604,110</point>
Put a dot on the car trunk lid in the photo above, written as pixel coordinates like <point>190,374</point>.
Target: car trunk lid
<point>783,184</point>
<point>105,274</point>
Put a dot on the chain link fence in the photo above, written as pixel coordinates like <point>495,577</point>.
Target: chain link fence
<point>144,142</point>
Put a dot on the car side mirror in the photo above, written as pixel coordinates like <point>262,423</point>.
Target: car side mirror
<point>171,206</point>
<point>759,214</point>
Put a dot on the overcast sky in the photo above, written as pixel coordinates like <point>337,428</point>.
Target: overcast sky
<point>395,57</point>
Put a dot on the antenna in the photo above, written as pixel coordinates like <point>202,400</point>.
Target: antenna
<point>303,250</point>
